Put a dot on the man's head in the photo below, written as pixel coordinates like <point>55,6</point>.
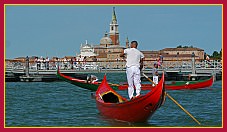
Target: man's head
<point>155,65</point>
<point>134,44</point>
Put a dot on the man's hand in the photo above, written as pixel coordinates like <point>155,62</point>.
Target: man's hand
<point>122,55</point>
<point>141,67</point>
<point>141,64</point>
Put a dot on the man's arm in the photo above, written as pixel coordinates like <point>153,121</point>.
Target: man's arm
<point>122,54</point>
<point>141,63</point>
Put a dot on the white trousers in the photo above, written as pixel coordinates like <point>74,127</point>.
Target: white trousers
<point>133,77</point>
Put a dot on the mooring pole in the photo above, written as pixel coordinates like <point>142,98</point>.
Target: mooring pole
<point>27,67</point>
<point>193,63</point>
<point>193,75</point>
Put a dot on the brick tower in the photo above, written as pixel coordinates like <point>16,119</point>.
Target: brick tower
<point>114,33</point>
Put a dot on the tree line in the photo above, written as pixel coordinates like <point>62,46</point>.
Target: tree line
<point>216,55</point>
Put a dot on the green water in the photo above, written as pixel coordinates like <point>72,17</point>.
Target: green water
<point>60,104</point>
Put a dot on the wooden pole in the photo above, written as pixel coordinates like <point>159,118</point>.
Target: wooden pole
<point>183,108</point>
<point>175,101</point>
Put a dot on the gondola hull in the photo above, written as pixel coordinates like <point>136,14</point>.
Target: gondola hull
<point>135,110</point>
<point>179,85</point>
<point>175,85</point>
<point>81,83</point>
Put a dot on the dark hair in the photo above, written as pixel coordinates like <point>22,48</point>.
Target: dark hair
<point>135,42</point>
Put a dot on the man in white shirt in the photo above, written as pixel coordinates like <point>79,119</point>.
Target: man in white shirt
<point>134,63</point>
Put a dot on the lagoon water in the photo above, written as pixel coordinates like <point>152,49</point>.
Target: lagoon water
<point>61,104</point>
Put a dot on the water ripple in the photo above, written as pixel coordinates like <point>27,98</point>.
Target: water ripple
<point>63,104</point>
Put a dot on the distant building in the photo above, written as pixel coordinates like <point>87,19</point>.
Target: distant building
<point>114,33</point>
<point>184,53</point>
<point>87,50</point>
<point>150,55</point>
<point>109,48</point>
<point>171,54</point>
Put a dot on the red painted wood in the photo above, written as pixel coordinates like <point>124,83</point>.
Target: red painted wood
<point>135,110</point>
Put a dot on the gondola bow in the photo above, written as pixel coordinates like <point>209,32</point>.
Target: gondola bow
<point>114,106</point>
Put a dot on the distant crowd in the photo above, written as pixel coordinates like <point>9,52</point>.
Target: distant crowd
<point>44,63</point>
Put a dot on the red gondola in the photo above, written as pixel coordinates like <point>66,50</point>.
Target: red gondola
<point>112,105</point>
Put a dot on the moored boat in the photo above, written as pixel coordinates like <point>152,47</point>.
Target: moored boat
<point>81,82</point>
<point>94,85</point>
<point>179,85</point>
<point>114,106</point>
<point>173,85</point>
<point>77,82</point>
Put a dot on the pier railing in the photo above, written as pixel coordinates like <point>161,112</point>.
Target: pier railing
<point>113,64</point>
<point>187,64</point>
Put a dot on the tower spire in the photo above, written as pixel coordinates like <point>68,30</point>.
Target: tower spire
<point>127,42</point>
<point>114,33</point>
<point>114,18</point>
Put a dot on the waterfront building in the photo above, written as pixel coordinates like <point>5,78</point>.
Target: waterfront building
<point>109,48</point>
<point>87,50</point>
<point>183,53</point>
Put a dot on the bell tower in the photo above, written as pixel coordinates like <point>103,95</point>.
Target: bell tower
<point>114,33</point>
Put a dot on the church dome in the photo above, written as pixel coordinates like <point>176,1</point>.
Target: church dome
<point>106,40</point>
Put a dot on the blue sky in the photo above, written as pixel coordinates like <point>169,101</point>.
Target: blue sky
<point>60,30</point>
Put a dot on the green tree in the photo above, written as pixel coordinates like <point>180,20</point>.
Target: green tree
<point>220,53</point>
<point>179,46</point>
<point>216,55</point>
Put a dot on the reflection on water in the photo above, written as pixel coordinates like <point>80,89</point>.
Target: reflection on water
<point>119,123</point>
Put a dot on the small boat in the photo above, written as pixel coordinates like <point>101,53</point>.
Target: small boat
<point>94,85</point>
<point>173,85</point>
<point>82,83</point>
<point>114,106</point>
<point>180,85</point>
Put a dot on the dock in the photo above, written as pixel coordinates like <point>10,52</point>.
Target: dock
<point>50,75</point>
<point>28,73</point>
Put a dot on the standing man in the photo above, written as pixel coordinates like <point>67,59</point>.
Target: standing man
<point>134,63</point>
<point>47,63</point>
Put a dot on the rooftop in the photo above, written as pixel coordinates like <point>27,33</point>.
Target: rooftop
<point>182,49</point>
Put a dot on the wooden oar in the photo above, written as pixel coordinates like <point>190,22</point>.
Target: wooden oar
<point>112,84</point>
<point>175,101</point>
